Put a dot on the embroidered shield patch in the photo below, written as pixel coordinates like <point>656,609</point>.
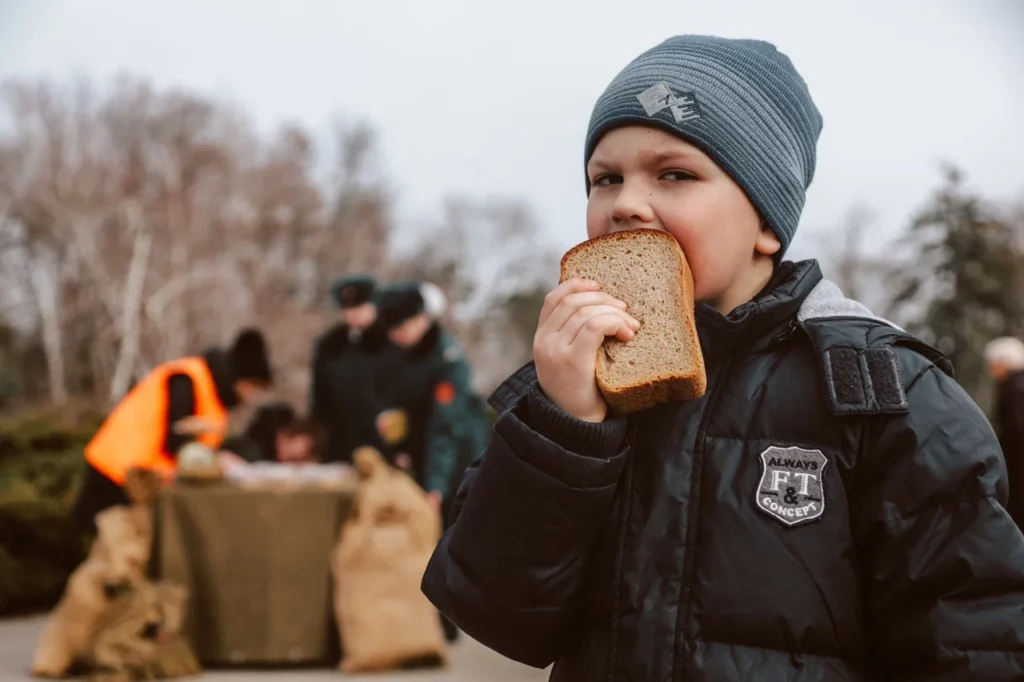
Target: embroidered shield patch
<point>792,487</point>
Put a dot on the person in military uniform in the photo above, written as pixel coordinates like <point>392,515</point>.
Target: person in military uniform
<point>430,382</point>
<point>443,425</point>
<point>342,394</point>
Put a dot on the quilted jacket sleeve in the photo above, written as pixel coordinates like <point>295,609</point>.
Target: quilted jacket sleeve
<point>510,569</point>
<point>943,561</point>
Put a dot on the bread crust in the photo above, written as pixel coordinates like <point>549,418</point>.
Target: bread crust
<point>661,388</point>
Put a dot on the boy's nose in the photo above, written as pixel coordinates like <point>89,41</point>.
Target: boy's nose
<point>632,208</point>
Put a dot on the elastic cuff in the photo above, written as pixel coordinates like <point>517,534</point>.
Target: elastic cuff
<point>592,439</point>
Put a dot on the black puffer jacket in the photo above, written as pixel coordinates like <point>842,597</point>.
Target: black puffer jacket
<point>649,549</point>
<point>344,393</point>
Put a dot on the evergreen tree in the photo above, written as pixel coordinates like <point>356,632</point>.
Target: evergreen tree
<point>963,287</point>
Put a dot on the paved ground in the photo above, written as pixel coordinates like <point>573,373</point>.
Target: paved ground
<point>470,663</point>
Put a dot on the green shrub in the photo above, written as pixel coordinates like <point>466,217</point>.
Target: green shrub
<point>39,548</point>
<point>40,470</point>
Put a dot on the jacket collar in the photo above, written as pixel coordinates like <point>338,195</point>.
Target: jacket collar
<point>769,313</point>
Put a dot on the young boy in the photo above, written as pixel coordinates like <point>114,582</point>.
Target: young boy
<point>276,433</point>
<point>831,509</point>
<point>299,442</point>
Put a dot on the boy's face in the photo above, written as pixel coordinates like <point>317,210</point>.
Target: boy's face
<point>294,448</point>
<point>645,178</point>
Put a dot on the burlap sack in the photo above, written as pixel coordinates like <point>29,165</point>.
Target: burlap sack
<point>116,563</point>
<point>384,619</point>
<point>140,638</point>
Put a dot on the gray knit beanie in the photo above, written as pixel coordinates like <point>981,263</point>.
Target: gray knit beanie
<point>740,101</point>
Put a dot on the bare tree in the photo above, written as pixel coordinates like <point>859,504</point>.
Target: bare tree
<point>149,225</point>
<point>860,273</point>
<point>142,225</point>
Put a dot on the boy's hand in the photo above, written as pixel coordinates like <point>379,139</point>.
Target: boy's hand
<point>576,318</point>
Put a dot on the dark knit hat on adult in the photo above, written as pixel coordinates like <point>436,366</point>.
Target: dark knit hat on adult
<point>741,102</point>
<point>400,301</point>
<point>249,357</point>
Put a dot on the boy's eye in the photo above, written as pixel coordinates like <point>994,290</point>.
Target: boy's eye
<point>607,179</point>
<point>677,176</point>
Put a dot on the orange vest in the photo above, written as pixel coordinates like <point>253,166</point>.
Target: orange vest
<point>133,434</point>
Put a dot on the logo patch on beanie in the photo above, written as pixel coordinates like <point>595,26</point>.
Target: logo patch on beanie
<point>792,486</point>
<point>659,97</point>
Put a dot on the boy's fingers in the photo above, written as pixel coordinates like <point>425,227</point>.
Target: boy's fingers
<point>573,304</point>
<point>592,324</point>
<point>596,330</point>
<point>555,296</point>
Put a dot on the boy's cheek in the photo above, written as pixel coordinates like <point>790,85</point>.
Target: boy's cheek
<point>598,217</point>
<point>596,228</point>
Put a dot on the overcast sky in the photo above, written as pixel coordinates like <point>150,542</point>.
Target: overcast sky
<point>482,98</point>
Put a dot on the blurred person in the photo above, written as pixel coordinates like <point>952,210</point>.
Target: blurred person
<point>176,403</point>
<point>342,393</point>
<point>276,433</point>
<point>832,507</point>
<point>258,441</point>
<point>299,442</point>
<point>439,422</point>
<point>1005,360</point>
<point>284,438</point>
<point>430,382</point>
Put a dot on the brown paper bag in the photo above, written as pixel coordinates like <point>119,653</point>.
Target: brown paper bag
<point>384,619</point>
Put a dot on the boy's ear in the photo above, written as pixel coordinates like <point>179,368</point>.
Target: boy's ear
<point>767,243</point>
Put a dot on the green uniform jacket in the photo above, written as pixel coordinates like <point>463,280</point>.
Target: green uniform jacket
<point>448,421</point>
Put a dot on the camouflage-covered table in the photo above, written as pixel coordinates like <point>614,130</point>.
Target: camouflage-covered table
<point>256,563</point>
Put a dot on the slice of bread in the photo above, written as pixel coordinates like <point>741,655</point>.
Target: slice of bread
<point>663,362</point>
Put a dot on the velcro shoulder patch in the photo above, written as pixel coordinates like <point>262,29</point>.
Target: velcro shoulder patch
<point>863,381</point>
<point>859,366</point>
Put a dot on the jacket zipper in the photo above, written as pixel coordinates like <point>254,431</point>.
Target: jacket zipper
<point>692,523</point>
<point>785,334</point>
<point>616,578</point>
